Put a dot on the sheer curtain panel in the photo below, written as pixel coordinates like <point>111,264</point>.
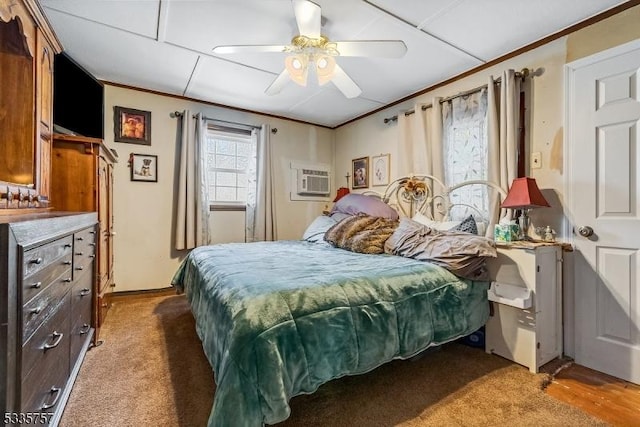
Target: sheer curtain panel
<point>192,216</point>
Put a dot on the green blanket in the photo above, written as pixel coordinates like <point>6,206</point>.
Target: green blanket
<point>278,319</point>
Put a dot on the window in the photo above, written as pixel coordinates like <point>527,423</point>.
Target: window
<point>230,163</point>
<point>466,153</point>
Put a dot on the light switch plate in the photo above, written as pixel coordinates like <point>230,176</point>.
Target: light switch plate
<point>536,160</point>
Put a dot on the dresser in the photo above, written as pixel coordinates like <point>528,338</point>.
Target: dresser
<point>525,325</point>
<point>82,181</point>
<point>47,274</point>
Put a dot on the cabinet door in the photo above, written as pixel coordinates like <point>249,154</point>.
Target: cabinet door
<point>44,113</point>
<point>104,217</point>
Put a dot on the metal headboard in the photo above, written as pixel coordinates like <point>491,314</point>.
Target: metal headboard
<point>415,193</point>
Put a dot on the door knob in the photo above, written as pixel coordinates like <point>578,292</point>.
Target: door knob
<point>585,231</point>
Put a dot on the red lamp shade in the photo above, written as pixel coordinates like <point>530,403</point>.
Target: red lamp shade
<point>524,194</point>
<point>342,191</point>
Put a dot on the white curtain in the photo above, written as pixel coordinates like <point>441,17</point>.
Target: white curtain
<point>192,216</point>
<point>503,121</point>
<point>261,204</point>
<point>420,143</point>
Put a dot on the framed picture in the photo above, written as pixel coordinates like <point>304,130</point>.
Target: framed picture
<point>132,126</point>
<point>144,167</point>
<point>380,170</point>
<point>360,173</point>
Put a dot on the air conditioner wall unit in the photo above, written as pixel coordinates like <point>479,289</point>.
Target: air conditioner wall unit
<point>312,182</point>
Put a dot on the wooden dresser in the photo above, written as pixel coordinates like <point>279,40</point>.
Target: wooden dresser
<point>82,181</point>
<point>46,296</point>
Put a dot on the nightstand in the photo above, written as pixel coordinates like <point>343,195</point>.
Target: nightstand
<point>526,331</point>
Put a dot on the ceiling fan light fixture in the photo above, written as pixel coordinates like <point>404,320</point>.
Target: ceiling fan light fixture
<point>325,67</point>
<point>298,67</point>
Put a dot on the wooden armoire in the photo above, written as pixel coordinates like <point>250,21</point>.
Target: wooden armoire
<point>82,181</point>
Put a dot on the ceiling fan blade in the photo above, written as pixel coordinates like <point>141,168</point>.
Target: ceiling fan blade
<point>377,48</point>
<point>308,17</point>
<point>278,84</point>
<point>249,49</point>
<point>343,82</point>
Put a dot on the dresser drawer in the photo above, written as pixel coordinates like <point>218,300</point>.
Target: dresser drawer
<point>84,251</point>
<point>38,258</point>
<point>81,296</point>
<point>43,305</point>
<point>38,281</point>
<point>51,338</point>
<point>80,322</point>
<point>44,387</point>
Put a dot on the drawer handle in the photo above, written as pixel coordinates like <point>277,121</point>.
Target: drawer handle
<point>85,292</point>
<point>36,285</point>
<point>67,263</point>
<point>67,280</point>
<point>36,310</point>
<point>57,338</point>
<point>92,244</point>
<point>54,391</point>
<point>92,256</point>
<point>79,253</point>
<point>85,329</point>
<point>80,239</point>
<point>67,245</point>
<point>92,232</point>
<point>80,268</point>
<point>36,261</point>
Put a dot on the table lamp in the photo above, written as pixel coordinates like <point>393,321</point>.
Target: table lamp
<point>525,195</point>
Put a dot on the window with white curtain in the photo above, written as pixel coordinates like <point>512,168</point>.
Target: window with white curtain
<point>230,156</point>
<point>465,152</point>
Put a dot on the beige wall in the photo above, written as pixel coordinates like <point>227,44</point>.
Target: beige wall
<point>370,136</point>
<point>144,211</point>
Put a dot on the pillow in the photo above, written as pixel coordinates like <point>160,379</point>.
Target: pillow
<point>339,216</point>
<point>354,204</point>
<point>361,233</point>
<point>461,253</point>
<point>467,225</point>
<point>315,231</point>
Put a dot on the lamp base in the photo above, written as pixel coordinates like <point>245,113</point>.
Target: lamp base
<point>524,222</point>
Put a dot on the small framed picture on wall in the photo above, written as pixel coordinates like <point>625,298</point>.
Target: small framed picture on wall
<point>144,167</point>
<point>380,170</point>
<point>360,172</point>
<point>132,126</point>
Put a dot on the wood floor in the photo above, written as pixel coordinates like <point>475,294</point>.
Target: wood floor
<point>611,399</point>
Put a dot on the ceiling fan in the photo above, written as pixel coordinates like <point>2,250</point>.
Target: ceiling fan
<point>311,52</point>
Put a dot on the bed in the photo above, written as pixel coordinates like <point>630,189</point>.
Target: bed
<point>279,319</point>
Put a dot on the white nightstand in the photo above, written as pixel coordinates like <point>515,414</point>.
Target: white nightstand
<point>529,336</point>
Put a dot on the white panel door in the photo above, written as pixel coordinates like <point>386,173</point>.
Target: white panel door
<point>603,122</point>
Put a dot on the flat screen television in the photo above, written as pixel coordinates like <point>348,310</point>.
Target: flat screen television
<point>78,99</point>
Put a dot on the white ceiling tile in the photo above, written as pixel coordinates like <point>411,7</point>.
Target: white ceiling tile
<point>329,107</point>
<point>121,57</point>
<point>426,62</point>
<point>416,11</point>
<point>492,28</point>
<point>135,16</point>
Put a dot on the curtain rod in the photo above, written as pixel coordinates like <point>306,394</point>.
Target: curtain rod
<point>179,114</point>
<point>523,74</point>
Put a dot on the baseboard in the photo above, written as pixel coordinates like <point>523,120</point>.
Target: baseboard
<point>147,293</point>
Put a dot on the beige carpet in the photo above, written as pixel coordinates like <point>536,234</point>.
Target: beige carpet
<point>151,371</point>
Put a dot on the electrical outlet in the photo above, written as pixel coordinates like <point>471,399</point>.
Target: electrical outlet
<point>536,160</point>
